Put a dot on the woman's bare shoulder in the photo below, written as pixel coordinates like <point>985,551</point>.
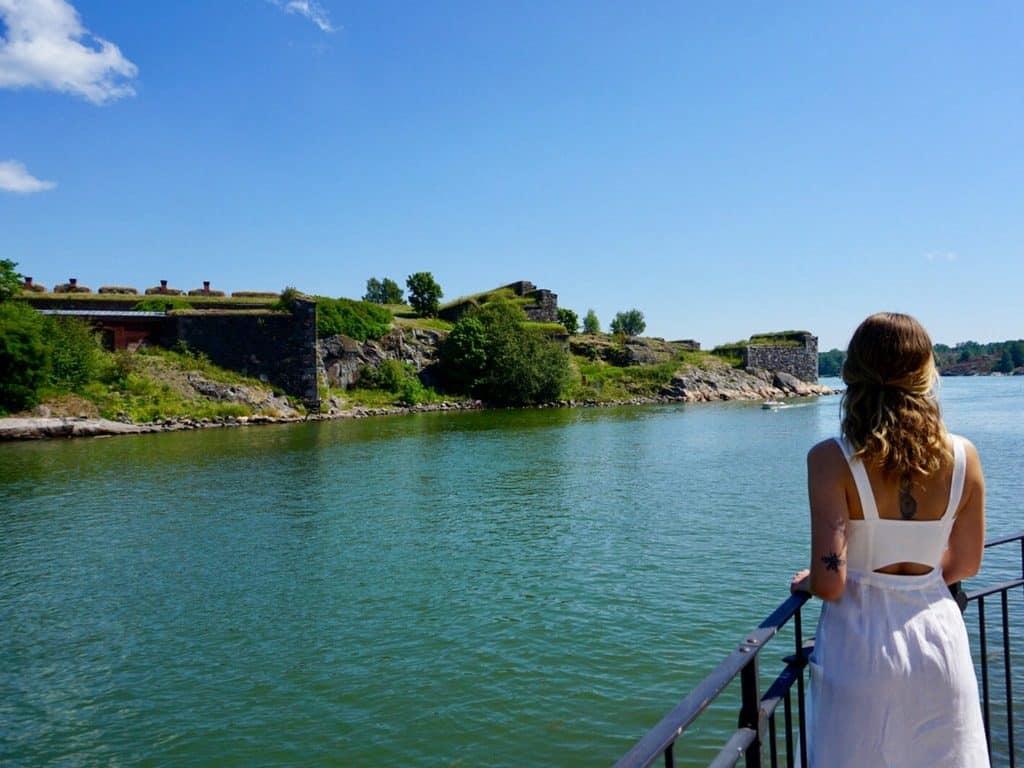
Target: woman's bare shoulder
<point>827,451</point>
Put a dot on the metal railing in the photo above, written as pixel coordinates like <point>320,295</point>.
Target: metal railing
<point>756,736</point>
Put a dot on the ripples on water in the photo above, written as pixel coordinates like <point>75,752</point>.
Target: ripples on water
<point>509,588</point>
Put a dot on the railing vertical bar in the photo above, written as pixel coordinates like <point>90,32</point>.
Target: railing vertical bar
<point>984,674</point>
<point>788,711</point>
<point>801,713</point>
<point>772,747</point>
<point>750,712</point>
<point>1008,671</point>
<point>670,756</point>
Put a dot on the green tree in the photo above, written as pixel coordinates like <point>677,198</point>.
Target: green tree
<point>518,365</point>
<point>590,322</point>
<point>10,280</point>
<point>374,291</point>
<point>464,354</point>
<point>385,291</point>
<point>393,293</point>
<point>1017,353</point>
<point>831,363</point>
<point>24,356</point>
<point>74,352</point>
<point>424,293</point>
<point>569,320</point>
<point>1005,363</point>
<point>630,323</point>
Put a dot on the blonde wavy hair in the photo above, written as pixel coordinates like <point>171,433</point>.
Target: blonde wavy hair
<point>890,410</point>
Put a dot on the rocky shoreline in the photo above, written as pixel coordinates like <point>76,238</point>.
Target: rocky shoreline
<point>689,386</point>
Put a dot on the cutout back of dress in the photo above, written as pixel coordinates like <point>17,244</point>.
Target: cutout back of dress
<point>876,542</point>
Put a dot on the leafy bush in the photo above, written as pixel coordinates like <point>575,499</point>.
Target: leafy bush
<point>491,355</point>
<point>569,320</point>
<point>629,323</point>
<point>10,280</point>
<point>590,322</point>
<point>24,356</point>
<point>162,304</point>
<point>74,352</point>
<point>287,298</point>
<point>396,377</point>
<point>387,376</point>
<point>359,320</point>
<point>424,293</point>
<point>464,354</point>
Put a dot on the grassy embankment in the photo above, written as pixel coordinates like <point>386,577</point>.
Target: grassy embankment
<point>155,384</point>
<point>601,381</point>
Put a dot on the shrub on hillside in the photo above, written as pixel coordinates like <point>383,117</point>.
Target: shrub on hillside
<point>396,377</point>
<point>74,352</point>
<point>590,322</point>
<point>10,280</point>
<point>464,354</point>
<point>24,356</point>
<point>286,300</point>
<point>491,355</point>
<point>629,323</point>
<point>569,320</point>
<point>161,304</point>
<point>359,320</point>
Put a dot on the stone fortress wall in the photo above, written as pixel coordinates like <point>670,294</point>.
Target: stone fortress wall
<point>278,348</point>
<point>796,354</point>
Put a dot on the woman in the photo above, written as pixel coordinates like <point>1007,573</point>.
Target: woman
<point>897,514</point>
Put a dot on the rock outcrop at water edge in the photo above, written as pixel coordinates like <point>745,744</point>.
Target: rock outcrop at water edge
<point>701,385</point>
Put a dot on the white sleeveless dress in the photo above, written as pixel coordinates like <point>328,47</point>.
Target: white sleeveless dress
<point>892,682</point>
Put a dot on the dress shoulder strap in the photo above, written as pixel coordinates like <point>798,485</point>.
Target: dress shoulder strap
<point>956,487</point>
<point>860,477</point>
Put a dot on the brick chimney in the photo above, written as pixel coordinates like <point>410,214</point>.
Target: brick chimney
<point>163,286</point>
<point>28,282</point>
<point>73,282</point>
<point>206,286</point>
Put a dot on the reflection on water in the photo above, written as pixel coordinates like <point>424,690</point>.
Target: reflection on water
<point>515,587</point>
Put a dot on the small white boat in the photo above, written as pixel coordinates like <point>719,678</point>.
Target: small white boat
<point>772,405</point>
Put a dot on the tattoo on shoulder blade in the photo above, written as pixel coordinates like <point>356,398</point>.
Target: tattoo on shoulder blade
<point>832,562</point>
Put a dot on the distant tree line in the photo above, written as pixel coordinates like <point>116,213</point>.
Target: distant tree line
<point>991,357</point>
<point>1000,356</point>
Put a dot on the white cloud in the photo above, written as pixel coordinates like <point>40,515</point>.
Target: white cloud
<point>46,46</point>
<point>14,177</point>
<point>947,256</point>
<point>311,9</point>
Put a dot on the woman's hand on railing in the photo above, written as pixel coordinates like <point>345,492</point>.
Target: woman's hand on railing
<point>801,581</point>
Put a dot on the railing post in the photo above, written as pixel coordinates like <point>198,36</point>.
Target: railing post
<point>749,712</point>
<point>1008,676</point>
<point>983,641</point>
<point>801,711</point>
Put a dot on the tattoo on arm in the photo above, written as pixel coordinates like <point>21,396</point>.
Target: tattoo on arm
<point>832,562</point>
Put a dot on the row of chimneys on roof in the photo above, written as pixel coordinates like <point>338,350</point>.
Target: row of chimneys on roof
<point>72,286</point>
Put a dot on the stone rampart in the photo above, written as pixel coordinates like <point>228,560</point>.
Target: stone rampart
<point>544,308</point>
<point>278,348</point>
<point>799,359</point>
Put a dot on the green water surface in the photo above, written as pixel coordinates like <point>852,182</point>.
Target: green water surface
<point>495,588</point>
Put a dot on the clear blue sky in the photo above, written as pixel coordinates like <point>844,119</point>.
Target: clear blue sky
<point>769,166</point>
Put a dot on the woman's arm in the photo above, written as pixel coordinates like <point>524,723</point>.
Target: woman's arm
<point>826,474</point>
<point>962,558</point>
